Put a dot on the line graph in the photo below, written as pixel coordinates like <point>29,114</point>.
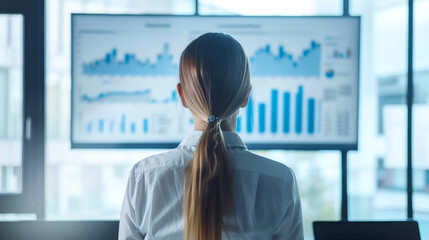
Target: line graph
<point>126,96</point>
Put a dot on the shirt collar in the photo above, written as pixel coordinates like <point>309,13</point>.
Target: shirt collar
<point>232,139</point>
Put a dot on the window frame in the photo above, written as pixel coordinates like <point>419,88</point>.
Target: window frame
<point>31,198</point>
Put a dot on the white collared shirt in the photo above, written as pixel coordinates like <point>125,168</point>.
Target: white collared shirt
<point>266,197</point>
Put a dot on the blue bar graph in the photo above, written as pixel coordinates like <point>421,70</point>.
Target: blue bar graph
<point>274,109</point>
<point>123,123</point>
<point>271,116</point>
<point>249,116</point>
<point>268,118</point>
<point>286,112</point>
<point>133,127</point>
<point>145,125</point>
<point>101,125</point>
<point>298,110</point>
<point>173,96</point>
<point>261,117</point>
<point>311,113</point>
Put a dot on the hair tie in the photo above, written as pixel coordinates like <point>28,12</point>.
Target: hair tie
<point>213,118</point>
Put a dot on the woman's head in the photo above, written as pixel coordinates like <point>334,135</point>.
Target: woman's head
<point>214,76</point>
<point>214,81</point>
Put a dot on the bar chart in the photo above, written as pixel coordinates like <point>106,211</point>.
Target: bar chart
<point>278,120</point>
<point>122,126</point>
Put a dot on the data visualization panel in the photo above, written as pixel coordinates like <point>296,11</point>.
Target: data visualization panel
<point>304,72</point>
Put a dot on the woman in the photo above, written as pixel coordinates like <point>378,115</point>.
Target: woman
<point>211,187</point>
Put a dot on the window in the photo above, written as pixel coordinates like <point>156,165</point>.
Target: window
<point>421,116</point>
<point>21,105</point>
<point>11,102</point>
<point>84,184</point>
<point>377,172</point>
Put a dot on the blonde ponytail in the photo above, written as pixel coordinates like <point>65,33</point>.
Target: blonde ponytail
<point>214,76</point>
<point>208,195</point>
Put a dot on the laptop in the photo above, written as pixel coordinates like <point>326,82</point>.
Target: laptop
<point>386,230</point>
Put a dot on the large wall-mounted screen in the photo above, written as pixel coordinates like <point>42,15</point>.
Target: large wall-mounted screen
<point>304,72</point>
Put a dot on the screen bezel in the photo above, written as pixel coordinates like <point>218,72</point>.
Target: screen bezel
<point>253,145</point>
